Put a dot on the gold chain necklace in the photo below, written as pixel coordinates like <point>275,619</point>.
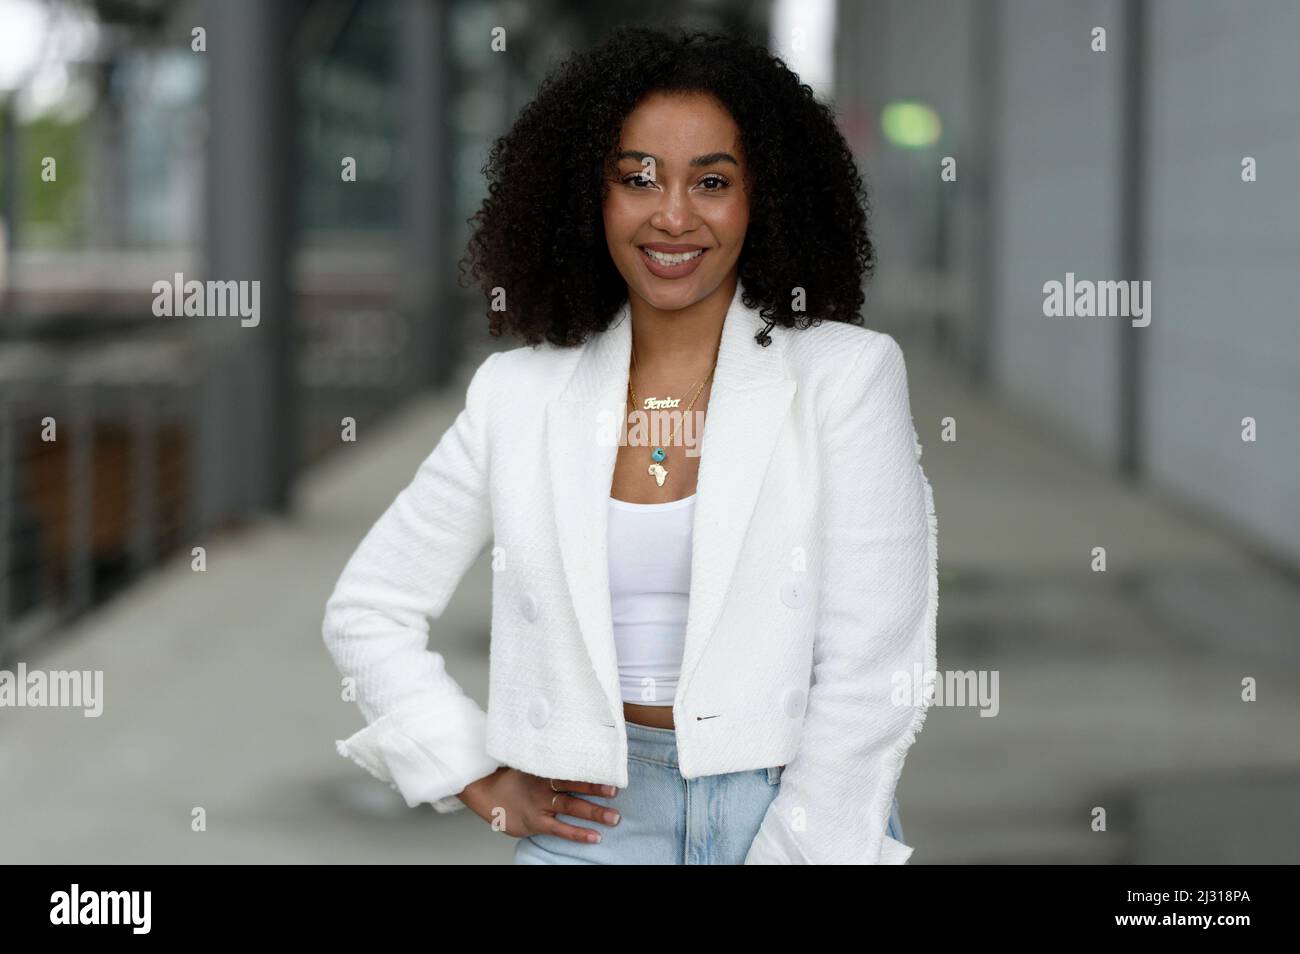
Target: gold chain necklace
<point>657,470</point>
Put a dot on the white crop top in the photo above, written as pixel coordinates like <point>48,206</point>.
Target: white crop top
<point>649,592</point>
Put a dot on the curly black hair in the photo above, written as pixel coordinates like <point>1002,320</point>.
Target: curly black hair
<point>540,233</point>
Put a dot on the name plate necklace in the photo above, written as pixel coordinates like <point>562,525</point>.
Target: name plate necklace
<point>656,469</point>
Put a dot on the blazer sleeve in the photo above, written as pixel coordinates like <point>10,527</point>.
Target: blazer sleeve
<point>424,735</point>
<point>877,611</point>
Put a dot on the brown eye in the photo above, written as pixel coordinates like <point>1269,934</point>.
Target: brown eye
<point>719,180</point>
<point>641,176</point>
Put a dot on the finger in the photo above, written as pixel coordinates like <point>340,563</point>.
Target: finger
<point>553,826</point>
<point>582,788</point>
<point>581,808</point>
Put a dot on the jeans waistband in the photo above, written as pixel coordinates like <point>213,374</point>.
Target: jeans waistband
<point>652,743</point>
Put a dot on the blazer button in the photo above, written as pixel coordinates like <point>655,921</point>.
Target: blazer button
<point>793,592</point>
<point>528,606</point>
<point>539,712</point>
<point>792,701</point>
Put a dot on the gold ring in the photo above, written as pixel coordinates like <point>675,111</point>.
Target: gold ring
<point>552,782</point>
<point>553,798</point>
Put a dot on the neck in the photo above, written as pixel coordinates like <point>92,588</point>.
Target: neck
<point>682,341</point>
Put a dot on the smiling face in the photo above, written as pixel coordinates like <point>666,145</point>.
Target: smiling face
<point>677,206</point>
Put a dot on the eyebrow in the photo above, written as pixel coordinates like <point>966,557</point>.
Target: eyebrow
<point>707,159</point>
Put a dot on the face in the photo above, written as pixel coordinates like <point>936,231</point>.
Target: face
<point>677,207</point>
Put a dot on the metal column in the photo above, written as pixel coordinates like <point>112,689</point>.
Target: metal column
<point>247,442</point>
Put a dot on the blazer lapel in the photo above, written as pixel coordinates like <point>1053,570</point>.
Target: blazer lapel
<point>748,403</point>
<point>747,409</point>
<point>582,431</point>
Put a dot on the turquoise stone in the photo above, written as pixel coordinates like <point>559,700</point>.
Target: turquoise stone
<point>658,453</point>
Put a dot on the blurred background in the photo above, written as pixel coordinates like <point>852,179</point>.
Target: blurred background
<point>220,153</point>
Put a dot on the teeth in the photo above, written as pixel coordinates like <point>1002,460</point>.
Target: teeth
<point>677,259</point>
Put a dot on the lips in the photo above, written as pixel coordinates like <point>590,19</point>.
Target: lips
<point>681,260</point>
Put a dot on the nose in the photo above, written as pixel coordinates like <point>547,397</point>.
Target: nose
<point>675,214</point>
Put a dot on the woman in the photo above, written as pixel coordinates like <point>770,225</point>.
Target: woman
<point>714,546</point>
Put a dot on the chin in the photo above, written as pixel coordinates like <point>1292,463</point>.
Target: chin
<point>671,302</point>
<point>672,299</point>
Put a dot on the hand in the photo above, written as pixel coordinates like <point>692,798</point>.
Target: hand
<point>527,804</point>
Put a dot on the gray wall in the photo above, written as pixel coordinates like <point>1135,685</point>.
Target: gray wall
<point>1037,119</point>
<point>1225,263</point>
<point>1056,192</point>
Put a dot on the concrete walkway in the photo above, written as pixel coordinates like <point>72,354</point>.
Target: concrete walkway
<point>1119,690</point>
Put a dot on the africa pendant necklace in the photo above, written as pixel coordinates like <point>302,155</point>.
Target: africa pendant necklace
<point>656,469</point>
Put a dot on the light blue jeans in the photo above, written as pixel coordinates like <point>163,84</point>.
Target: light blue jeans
<point>667,819</point>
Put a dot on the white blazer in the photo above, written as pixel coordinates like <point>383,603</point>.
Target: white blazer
<point>814,585</point>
